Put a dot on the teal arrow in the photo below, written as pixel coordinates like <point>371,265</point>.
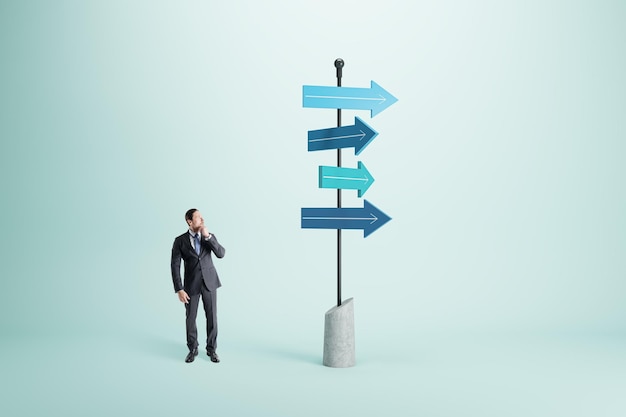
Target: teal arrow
<point>346,178</point>
<point>375,98</point>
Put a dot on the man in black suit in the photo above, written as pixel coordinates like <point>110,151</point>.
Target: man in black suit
<point>194,247</point>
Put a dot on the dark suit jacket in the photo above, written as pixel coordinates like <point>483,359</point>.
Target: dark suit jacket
<point>198,268</point>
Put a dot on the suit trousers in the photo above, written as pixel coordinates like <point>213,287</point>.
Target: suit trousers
<point>209,301</point>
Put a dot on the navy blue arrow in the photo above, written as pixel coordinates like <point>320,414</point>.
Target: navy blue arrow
<point>357,136</point>
<point>369,218</point>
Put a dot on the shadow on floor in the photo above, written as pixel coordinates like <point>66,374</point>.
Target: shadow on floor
<point>279,352</point>
<point>160,346</point>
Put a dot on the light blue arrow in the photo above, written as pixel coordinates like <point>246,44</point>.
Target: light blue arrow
<point>346,178</point>
<point>357,136</point>
<point>368,218</point>
<point>375,98</point>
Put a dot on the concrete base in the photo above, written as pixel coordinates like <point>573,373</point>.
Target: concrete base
<point>339,336</point>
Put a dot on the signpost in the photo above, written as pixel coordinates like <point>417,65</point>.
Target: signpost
<point>368,218</point>
<point>357,136</point>
<point>375,98</point>
<point>339,320</point>
<point>346,178</point>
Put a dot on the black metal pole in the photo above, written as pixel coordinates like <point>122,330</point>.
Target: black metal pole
<point>339,65</point>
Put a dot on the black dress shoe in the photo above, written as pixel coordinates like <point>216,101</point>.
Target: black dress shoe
<point>213,356</point>
<point>192,355</point>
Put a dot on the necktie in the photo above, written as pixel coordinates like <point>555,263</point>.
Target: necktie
<point>197,240</point>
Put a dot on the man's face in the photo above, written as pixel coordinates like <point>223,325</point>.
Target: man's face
<point>196,222</point>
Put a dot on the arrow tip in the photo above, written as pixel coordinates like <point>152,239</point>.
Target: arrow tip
<point>368,179</point>
<point>369,135</point>
<point>381,218</point>
<point>387,99</point>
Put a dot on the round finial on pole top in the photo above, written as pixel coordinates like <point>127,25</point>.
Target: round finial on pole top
<point>339,65</point>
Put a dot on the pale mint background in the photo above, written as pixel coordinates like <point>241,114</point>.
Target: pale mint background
<point>498,289</point>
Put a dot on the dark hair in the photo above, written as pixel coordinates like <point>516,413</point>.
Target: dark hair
<point>189,214</point>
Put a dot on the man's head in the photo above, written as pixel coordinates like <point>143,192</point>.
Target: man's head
<point>194,219</point>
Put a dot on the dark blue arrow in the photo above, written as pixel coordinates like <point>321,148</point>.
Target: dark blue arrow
<point>369,218</point>
<point>357,136</point>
